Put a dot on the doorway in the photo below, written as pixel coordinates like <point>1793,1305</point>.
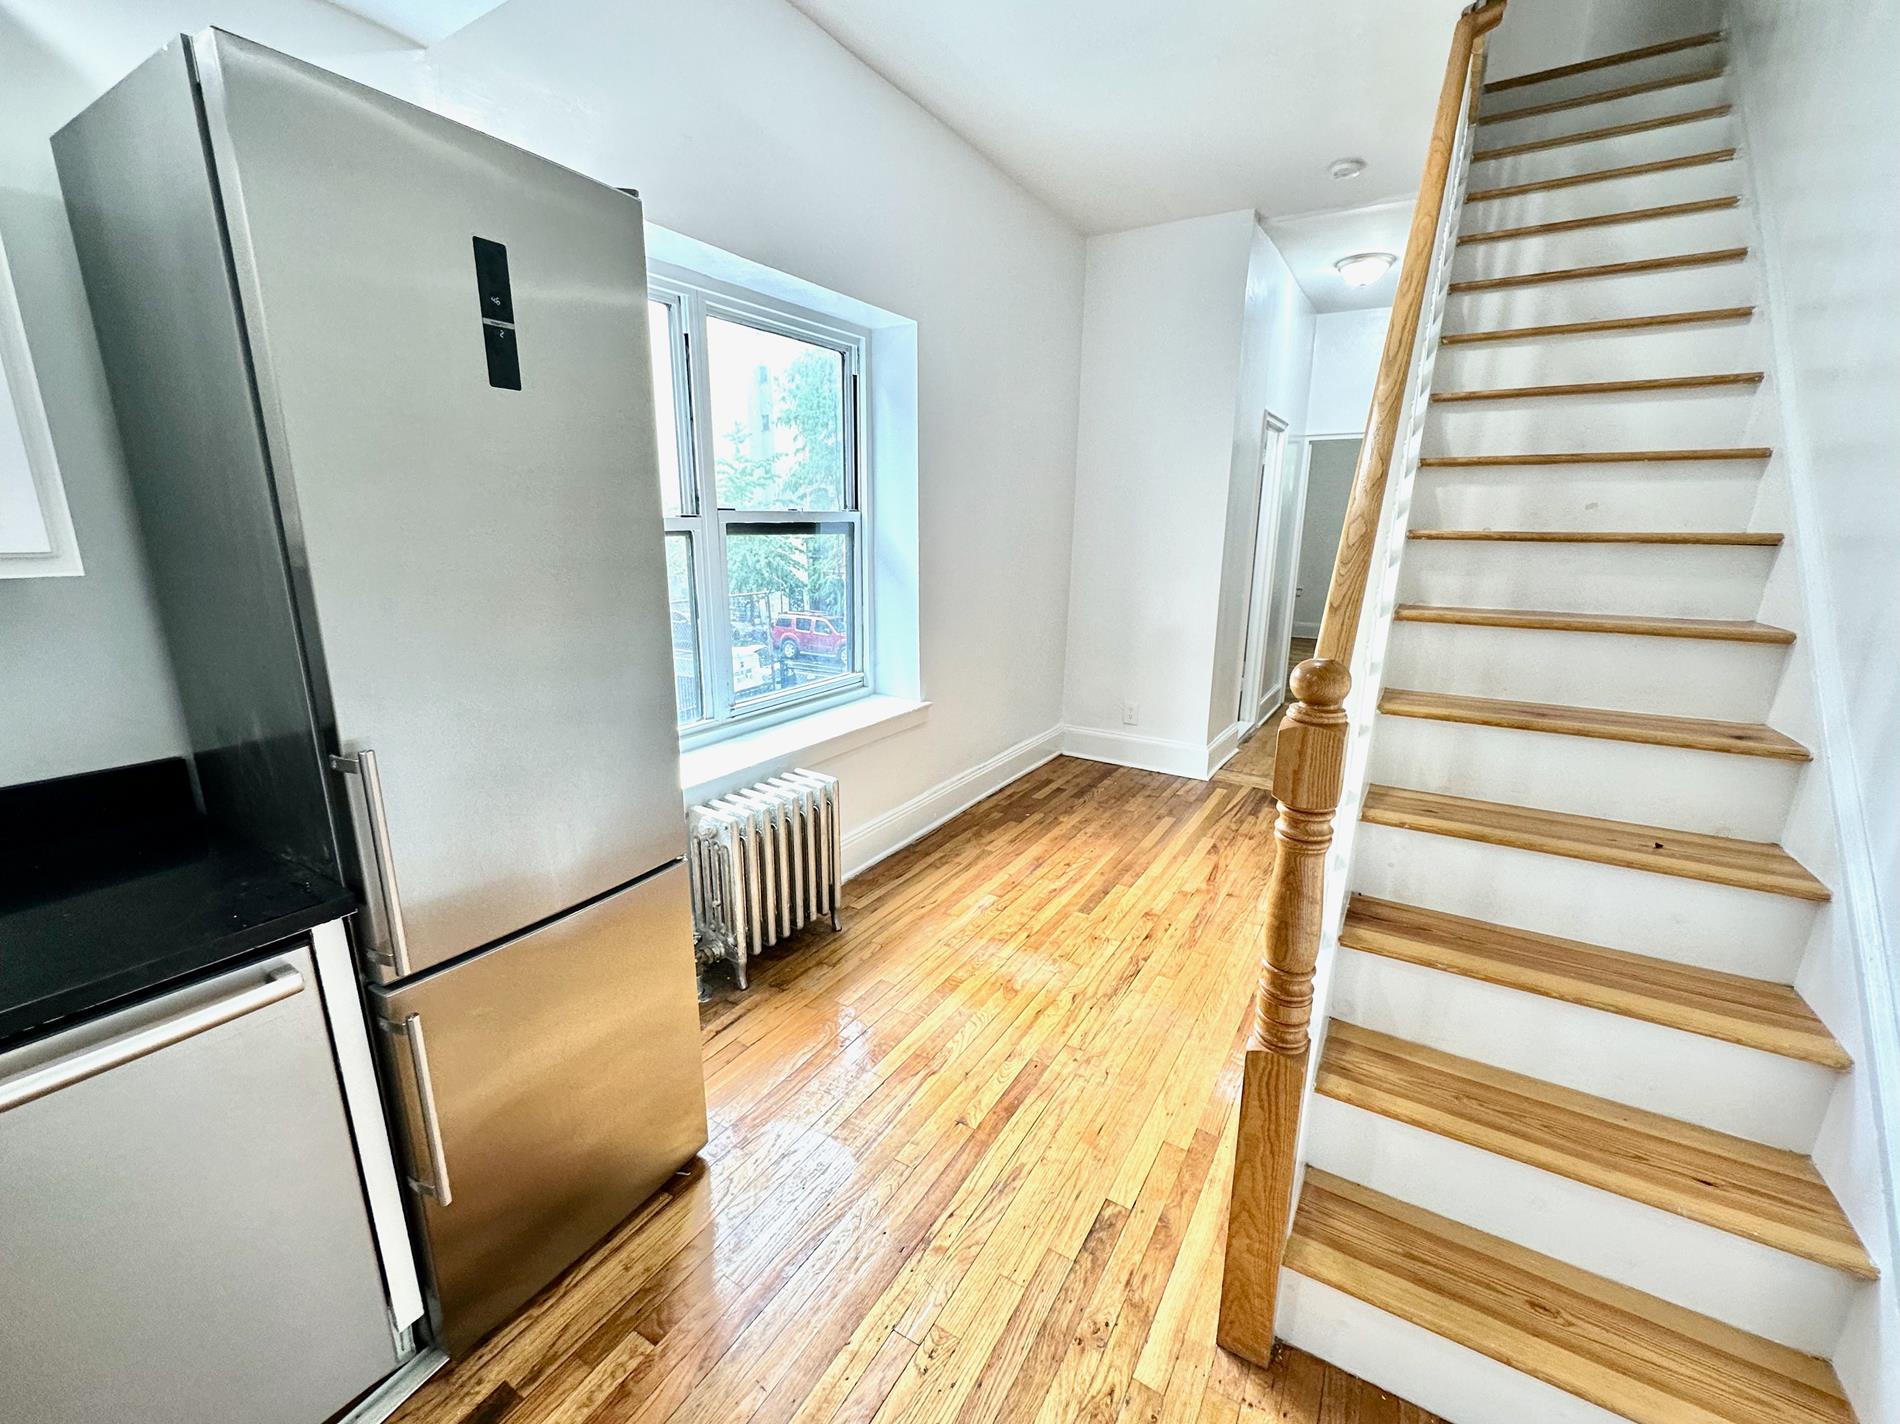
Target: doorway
<point>1272,509</point>
<point>1325,486</point>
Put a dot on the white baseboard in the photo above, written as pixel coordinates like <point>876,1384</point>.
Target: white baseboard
<point>1174,758</point>
<point>1221,750</point>
<point>865,845</point>
<point>1132,749</point>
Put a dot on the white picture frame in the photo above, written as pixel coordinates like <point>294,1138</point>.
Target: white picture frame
<point>36,528</point>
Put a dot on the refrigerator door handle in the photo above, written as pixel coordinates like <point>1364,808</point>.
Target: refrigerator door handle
<point>410,1029</point>
<point>361,765</point>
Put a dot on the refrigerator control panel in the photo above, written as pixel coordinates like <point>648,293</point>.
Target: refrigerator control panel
<point>498,314</point>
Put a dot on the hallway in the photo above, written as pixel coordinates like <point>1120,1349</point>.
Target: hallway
<point>969,1158</point>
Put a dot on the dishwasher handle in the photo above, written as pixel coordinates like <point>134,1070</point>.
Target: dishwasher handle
<point>78,1066</point>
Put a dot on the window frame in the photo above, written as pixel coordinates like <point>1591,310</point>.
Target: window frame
<point>690,298</point>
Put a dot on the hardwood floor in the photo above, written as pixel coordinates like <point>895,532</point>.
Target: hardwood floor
<point>969,1158</point>
<point>1252,765</point>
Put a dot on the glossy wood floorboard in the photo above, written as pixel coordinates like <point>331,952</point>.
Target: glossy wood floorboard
<point>969,1158</point>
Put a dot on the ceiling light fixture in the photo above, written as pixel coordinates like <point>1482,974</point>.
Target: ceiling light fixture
<point>1362,269</point>
<point>1346,167</point>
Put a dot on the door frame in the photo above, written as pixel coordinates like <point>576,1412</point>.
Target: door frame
<point>1288,586</point>
<point>1275,440</point>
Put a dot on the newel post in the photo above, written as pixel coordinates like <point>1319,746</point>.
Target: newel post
<point>1308,771</point>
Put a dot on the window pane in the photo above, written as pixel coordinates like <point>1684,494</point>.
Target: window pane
<point>777,417</point>
<point>679,596</point>
<point>791,600</point>
<point>665,417</point>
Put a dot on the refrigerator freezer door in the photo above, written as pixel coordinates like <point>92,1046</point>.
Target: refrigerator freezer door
<point>549,1086</point>
<point>478,567</point>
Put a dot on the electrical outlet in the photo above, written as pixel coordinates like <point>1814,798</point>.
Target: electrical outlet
<point>1131,714</point>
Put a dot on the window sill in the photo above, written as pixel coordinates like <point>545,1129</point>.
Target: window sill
<point>722,766</point>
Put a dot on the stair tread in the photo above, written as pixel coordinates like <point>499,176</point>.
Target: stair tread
<point>1595,457</point>
<point>1626,215</point>
<point>1630,1353</point>
<point>1602,96</point>
<point>1736,539</point>
<point>1674,262</point>
<point>1722,630</point>
<point>1755,1013</point>
<point>1601,175</point>
<point>1604,388</point>
<point>1659,320</point>
<point>1719,860</point>
<point>1602,723</point>
<point>1639,126</point>
<point>1604,61</point>
<point>1760,1193</point>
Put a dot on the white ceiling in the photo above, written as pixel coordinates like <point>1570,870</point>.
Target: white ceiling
<point>422,21</point>
<point>1121,113</point>
<point>1313,242</point>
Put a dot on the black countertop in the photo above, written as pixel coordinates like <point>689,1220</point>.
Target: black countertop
<point>112,885</point>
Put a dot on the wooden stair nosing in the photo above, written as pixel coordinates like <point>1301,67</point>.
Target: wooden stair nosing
<point>1601,175</point>
<point>1718,630</point>
<point>1606,61</point>
<point>1753,1013</point>
<point>1603,96</point>
<point>1638,126</point>
<point>1601,724</point>
<point>1636,267</point>
<point>1641,386</point>
<point>1628,1352</point>
<point>1762,1194</point>
<point>1743,539</point>
<point>1626,215</point>
<point>1595,457</point>
<point>1601,326</point>
<point>1758,866</point>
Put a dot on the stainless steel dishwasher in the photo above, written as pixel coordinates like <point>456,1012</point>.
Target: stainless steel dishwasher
<point>184,1235</point>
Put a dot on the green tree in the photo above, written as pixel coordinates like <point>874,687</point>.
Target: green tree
<point>801,472</point>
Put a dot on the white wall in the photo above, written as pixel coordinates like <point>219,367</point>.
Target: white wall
<point>1346,350</point>
<point>744,126</point>
<point>1821,124</point>
<point>1161,364</point>
<point>1276,366</point>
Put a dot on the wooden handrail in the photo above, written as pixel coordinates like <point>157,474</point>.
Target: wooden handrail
<point>1346,593</point>
<point>1309,773</point>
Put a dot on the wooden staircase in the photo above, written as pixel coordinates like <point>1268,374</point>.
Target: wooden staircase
<point>1557,1154</point>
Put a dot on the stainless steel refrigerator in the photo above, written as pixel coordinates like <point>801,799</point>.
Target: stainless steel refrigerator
<point>383,387</point>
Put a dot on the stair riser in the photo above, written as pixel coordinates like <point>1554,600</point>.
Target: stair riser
<point>1767,1292</point>
<point>1682,581</point>
<point>1414,1364</point>
<point>1678,99</point>
<point>1742,1091</point>
<point>1673,677</point>
<point>1717,793</point>
<point>1593,246</point>
<point>1724,284</point>
<point>1595,81</point>
<point>1700,418</point>
<point>1687,921</point>
<point>1627,355</point>
<point>1707,496</point>
<point>1649,146</point>
<point>1612,195</point>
